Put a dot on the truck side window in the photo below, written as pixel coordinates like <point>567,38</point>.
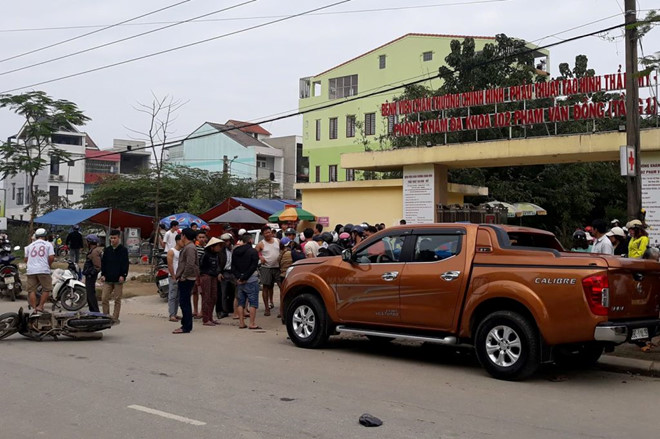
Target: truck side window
<point>431,248</point>
<point>387,249</point>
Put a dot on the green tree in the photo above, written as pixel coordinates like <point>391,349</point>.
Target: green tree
<point>44,116</point>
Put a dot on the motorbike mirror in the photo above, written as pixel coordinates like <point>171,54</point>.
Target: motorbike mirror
<point>347,255</point>
<point>18,247</point>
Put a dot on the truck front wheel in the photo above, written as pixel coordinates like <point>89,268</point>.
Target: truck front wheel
<point>307,321</point>
<point>507,345</point>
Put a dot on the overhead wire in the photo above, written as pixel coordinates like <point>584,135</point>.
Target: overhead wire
<point>265,17</point>
<point>104,28</point>
<point>184,46</point>
<point>177,142</point>
<point>121,40</point>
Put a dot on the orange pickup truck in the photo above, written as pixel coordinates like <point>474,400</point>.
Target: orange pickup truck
<point>512,293</point>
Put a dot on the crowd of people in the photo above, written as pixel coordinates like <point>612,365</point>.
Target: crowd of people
<point>631,240</point>
<point>228,271</point>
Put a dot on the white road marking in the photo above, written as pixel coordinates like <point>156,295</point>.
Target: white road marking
<point>144,409</point>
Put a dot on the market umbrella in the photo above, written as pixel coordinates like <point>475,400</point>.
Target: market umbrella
<point>512,210</point>
<point>184,219</point>
<point>239,215</point>
<point>291,214</point>
<point>529,209</point>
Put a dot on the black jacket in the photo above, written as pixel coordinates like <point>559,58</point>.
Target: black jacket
<point>114,263</point>
<point>209,263</point>
<point>74,240</point>
<point>244,262</point>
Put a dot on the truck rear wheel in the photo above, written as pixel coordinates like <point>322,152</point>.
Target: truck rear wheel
<point>507,345</point>
<point>307,321</point>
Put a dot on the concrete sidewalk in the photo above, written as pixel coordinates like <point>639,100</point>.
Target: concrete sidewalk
<point>633,366</point>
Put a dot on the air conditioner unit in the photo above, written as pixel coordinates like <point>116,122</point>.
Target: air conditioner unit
<point>60,177</point>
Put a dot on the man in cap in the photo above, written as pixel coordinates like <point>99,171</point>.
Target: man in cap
<point>74,241</point>
<point>39,256</point>
<point>91,270</point>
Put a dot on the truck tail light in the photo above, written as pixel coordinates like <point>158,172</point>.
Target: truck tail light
<point>597,291</point>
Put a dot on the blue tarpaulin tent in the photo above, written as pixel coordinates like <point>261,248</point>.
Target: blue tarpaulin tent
<point>108,217</point>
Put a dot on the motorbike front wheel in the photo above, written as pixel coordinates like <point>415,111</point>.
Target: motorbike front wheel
<point>8,324</point>
<point>74,298</point>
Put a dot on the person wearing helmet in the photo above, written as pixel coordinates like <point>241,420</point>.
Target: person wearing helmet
<point>91,270</point>
<point>580,242</point>
<point>39,256</point>
<point>290,233</point>
<point>75,242</point>
<point>639,239</point>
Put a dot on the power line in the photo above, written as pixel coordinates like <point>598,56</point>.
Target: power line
<point>93,32</point>
<point>173,143</point>
<point>355,11</point>
<point>185,46</point>
<point>121,40</point>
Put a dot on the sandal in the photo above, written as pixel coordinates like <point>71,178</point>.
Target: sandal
<point>267,313</point>
<point>209,324</point>
<point>179,331</point>
<point>255,327</point>
<point>235,318</point>
<point>197,316</point>
<point>242,327</point>
<point>174,319</point>
<point>271,306</point>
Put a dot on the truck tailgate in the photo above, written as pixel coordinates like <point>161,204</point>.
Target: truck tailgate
<point>634,288</point>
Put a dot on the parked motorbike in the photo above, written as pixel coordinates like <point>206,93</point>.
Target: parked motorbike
<point>68,290</point>
<point>39,326</point>
<point>10,281</point>
<point>162,276</point>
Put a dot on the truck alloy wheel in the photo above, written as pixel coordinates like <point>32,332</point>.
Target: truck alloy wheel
<point>306,321</point>
<point>507,345</point>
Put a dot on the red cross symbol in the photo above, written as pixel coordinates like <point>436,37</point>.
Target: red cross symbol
<point>631,161</point>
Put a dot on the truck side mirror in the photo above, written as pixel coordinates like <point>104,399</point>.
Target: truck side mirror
<point>347,255</point>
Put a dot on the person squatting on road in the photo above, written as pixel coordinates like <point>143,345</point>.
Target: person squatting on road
<point>209,275</point>
<point>173,291</point>
<point>186,274</point>
<point>39,256</point>
<point>245,261</point>
<point>269,271</point>
<point>114,270</point>
<point>91,270</point>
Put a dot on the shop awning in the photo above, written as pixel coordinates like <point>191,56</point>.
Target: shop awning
<point>115,218</point>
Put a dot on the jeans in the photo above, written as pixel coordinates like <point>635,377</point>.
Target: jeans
<point>173,298</point>
<point>248,292</point>
<point>74,253</point>
<point>90,286</point>
<point>185,289</point>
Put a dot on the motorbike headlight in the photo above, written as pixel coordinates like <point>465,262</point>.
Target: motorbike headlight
<point>7,248</point>
<point>288,270</point>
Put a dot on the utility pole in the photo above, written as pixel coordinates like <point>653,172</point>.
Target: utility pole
<point>225,165</point>
<point>632,109</point>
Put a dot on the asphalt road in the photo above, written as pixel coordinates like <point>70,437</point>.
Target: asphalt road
<point>141,381</point>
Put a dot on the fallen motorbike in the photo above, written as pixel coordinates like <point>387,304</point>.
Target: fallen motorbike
<point>68,291</point>
<point>10,281</point>
<point>162,276</point>
<point>70,324</point>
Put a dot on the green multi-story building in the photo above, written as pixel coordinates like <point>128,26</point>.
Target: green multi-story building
<point>330,132</point>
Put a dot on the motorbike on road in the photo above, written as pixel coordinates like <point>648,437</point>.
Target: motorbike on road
<point>70,324</point>
<point>10,281</point>
<point>68,290</point>
<point>162,276</point>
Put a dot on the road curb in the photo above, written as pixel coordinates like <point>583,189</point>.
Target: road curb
<point>629,365</point>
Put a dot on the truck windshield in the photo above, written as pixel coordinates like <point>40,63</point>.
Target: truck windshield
<point>538,240</point>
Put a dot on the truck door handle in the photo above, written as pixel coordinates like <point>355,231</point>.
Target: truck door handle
<point>390,275</point>
<point>450,275</point>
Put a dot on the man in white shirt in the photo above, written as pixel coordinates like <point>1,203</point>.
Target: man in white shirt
<point>602,243</point>
<point>170,235</point>
<point>39,256</point>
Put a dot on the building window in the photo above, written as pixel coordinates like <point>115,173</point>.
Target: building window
<point>54,166</point>
<point>101,167</point>
<point>318,129</point>
<point>333,128</point>
<point>65,139</point>
<point>261,163</point>
<point>350,174</point>
<point>316,88</point>
<point>343,87</point>
<point>332,173</point>
<point>391,121</point>
<point>369,124</point>
<point>382,62</point>
<point>318,174</point>
<point>427,56</point>
<point>13,191</point>
<point>19,196</point>
<point>53,194</point>
<point>350,126</point>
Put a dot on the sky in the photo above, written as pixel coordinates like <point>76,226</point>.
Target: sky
<point>252,74</point>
